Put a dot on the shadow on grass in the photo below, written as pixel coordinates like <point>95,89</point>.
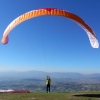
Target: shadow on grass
<point>88,95</point>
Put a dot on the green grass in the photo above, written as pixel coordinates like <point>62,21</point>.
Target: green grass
<point>49,96</point>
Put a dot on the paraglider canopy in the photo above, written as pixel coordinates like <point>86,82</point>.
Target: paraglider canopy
<point>51,11</point>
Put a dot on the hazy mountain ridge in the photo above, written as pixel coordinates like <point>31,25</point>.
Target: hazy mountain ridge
<point>41,74</point>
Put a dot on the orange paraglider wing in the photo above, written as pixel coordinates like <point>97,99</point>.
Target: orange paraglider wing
<point>51,11</point>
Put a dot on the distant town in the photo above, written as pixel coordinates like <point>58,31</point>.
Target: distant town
<point>34,81</point>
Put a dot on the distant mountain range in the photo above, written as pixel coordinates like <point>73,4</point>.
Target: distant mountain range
<point>41,74</point>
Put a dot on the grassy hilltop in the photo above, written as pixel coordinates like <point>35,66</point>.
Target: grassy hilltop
<point>51,96</point>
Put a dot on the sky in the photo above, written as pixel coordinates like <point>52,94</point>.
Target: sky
<point>50,43</point>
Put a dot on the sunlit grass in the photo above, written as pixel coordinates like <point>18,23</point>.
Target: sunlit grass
<point>48,96</point>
